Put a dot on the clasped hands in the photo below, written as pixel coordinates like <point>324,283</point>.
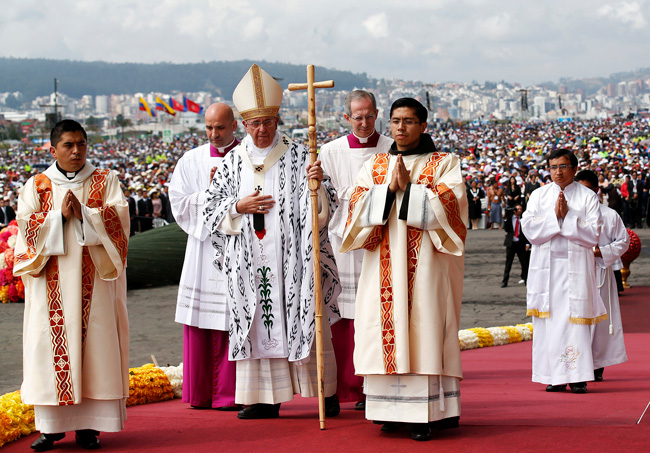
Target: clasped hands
<point>71,207</point>
<point>561,207</point>
<point>401,177</point>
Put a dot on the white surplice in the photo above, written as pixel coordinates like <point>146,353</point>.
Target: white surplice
<point>202,289</point>
<point>342,160</point>
<point>75,335</point>
<point>562,291</point>
<point>269,275</point>
<point>608,346</point>
<point>410,290</point>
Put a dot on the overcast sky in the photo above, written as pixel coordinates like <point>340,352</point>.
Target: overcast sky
<point>430,40</point>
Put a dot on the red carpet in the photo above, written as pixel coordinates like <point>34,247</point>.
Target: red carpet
<point>502,411</point>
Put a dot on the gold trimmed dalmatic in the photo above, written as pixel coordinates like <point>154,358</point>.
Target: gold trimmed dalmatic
<point>75,333</point>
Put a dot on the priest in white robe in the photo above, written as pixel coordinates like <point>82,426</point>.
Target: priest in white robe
<point>342,160</point>
<point>607,343</point>
<point>562,222</point>
<point>208,375</point>
<point>408,211</point>
<point>71,255</point>
<point>259,215</point>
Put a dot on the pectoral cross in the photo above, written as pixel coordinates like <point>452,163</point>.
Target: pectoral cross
<point>314,184</point>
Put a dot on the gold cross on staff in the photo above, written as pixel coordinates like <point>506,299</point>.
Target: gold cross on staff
<point>311,86</point>
<point>314,184</point>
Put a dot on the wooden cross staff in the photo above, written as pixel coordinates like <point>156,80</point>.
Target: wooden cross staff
<point>314,184</point>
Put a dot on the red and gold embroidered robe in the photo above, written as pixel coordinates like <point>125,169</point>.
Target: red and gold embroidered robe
<point>75,333</point>
<point>410,290</point>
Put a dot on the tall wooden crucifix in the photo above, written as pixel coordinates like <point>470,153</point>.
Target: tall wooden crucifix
<point>314,185</point>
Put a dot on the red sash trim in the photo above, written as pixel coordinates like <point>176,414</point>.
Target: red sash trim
<point>58,335</point>
<point>115,232</point>
<point>387,308</point>
<point>428,174</point>
<point>87,285</point>
<point>414,242</point>
<point>450,204</point>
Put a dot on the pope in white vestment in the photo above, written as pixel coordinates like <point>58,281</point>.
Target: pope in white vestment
<point>562,291</point>
<point>266,254</point>
<point>410,290</point>
<point>76,331</point>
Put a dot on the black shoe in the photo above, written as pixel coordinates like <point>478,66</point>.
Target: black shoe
<point>390,427</point>
<point>445,423</point>
<point>87,438</point>
<point>332,406</point>
<point>360,406</point>
<point>236,407</point>
<point>46,441</point>
<point>556,388</point>
<point>578,387</point>
<point>598,374</point>
<point>420,431</point>
<point>504,284</point>
<point>257,411</point>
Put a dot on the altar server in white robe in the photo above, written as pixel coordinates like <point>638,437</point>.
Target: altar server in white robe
<point>608,345</point>
<point>71,255</point>
<point>342,160</point>
<point>259,213</point>
<point>208,375</point>
<point>408,211</point>
<point>562,222</point>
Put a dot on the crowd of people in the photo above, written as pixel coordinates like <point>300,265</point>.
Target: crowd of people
<point>504,160</point>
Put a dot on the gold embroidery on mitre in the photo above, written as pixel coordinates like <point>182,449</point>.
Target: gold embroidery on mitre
<point>257,94</point>
<point>258,87</point>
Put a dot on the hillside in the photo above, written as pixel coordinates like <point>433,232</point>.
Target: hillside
<point>34,77</point>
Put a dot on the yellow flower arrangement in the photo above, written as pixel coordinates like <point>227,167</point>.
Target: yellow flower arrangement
<point>16,418</point>
<point>478,337</point>
<point>484,336</point>
<point>148,384</point>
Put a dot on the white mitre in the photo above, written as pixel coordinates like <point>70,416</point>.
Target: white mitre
<point>257,94</point>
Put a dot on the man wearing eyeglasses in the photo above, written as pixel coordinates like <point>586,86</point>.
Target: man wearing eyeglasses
<point>562,222</point>
<point>408,211</point>
<point>342,159</point>
<point>259,215</point>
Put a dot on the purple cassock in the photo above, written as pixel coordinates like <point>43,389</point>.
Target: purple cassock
<point>210,380</point>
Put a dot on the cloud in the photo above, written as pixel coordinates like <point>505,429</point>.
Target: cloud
<point>496,26</point>
<point>377,25</point>
<point>627,13</point>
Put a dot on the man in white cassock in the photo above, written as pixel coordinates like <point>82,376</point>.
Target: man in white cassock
<point>342,160</point>
<point>71,255</point>
<point>259,215</point>
<point>208,375</point>
<point>562,222</point>
<point>408,211</point>
<point>607,343</point>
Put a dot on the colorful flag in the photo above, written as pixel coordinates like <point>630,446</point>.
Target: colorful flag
<point>162,105</point>
<point>192,106</point>
<point>145,107</point>
<point>176,105</point>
